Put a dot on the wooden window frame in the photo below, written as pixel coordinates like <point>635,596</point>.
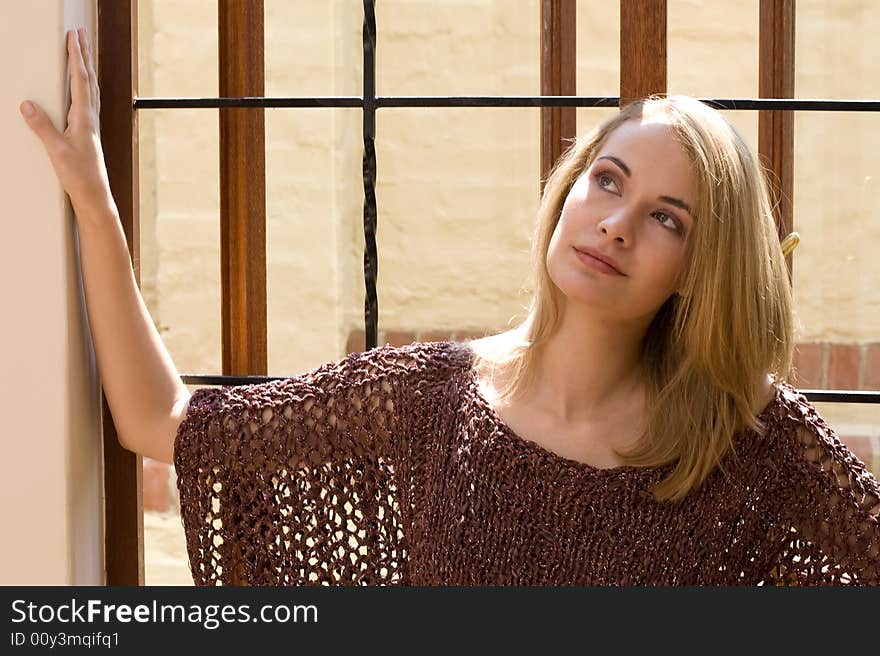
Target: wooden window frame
<point>242,172</point>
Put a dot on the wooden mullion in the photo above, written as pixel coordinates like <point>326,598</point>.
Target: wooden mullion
<point>242,189</point>
<point>776,128</point>
<point>558,78</point>
<point>123,469</point>
<point>642,49</point>
<point>242,205</point>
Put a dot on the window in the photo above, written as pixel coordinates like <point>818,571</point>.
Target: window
<point>642,69</point>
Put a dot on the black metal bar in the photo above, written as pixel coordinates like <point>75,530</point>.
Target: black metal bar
<point>378,102</point>
<point>203,103</point>
<point>371,303</point>
<point>814,395</point>
<point>498,101</point>
<point>798,105</point>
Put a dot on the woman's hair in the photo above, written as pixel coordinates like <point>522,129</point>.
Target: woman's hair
<point>711,344</point>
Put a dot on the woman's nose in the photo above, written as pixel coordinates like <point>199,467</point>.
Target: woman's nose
<point>620,223</point>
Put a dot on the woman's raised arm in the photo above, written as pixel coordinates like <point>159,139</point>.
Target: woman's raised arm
<point>143,388</point>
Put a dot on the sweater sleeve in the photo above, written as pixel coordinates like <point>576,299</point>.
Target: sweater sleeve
<point>291,482</point>
<point>831,506</point>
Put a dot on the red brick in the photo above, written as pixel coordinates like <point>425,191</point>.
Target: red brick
<point>157,494</point>
<point>397,337</point>
<point>843,366</point>
<point>356,342</point>
<point>872,367</point>
<point>808,365</point>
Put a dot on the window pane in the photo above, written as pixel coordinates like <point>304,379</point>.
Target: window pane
<point>180,281</point>
<point>713,48</point>
<point>177,48</point>
<point>314,48</point>
<point>835,49</point>
<point>836,208</point>
<point>457,195</point>
<point>836,204</point>
<point>180,232</point>
<point>314,235</point>
<point>462,47</point>
<point>598,48</point>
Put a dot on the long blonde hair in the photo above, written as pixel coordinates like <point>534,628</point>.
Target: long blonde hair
<point>730,324</point>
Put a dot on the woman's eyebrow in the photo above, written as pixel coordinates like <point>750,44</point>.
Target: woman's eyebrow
<point>677,202</point>
<point>623,167</point>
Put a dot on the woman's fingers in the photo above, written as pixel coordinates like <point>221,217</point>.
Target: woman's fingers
<point>79,79</point>
<point>90,69</point>
<point>76,153</point>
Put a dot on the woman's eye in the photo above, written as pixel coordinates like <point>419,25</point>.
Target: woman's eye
<point>603,180</point>
<point>667,217</point>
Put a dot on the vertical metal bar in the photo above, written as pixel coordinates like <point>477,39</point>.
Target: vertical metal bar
<point>242,189</point>
<point>776,128</point>
<point>371,304</point>
<point>123,470</point>
<point>558,78</point>
<point>642,49</point>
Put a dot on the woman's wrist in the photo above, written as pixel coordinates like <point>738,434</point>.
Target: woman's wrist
<point>96,212</point>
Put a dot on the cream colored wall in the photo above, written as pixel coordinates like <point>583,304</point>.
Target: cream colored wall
<point>457,189</point>
<point>51,497</point>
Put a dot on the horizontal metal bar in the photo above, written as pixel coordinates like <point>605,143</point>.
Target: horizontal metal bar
<point>208,103</point>
<point>841,396</point>
<point>381,101</point>
<point>497,101</point>
<point>788,104</point>
<point>798,105</point>
<point>209,379</point>
<point>814,395</point>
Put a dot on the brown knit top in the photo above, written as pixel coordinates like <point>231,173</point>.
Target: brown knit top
<point>390,467</point>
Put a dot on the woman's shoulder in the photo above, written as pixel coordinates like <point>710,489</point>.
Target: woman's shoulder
<point>382,367</point>
<point>416,356</point>
<point>413,363</point>
<point>805,437</point>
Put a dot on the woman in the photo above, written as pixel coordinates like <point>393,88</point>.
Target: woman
<point>635,429</point>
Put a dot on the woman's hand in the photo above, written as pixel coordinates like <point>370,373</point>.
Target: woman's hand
<point>76,155</point>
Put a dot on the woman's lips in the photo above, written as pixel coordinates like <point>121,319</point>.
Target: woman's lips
<point>596,265</point>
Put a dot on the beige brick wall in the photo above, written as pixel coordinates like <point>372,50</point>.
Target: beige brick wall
<point>457,189</point>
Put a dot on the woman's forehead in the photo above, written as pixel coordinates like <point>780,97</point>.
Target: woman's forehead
<point>649,148</point>
<point>647,132</point>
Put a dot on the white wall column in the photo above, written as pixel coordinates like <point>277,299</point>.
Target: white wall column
<point>51,491</point>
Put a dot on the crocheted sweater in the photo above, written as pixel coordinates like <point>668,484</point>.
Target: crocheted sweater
<point>391,467</point>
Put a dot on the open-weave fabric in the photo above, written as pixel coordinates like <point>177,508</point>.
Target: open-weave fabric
<point>390,467</point>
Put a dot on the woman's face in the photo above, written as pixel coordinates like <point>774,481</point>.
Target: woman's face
<point>631,205</point>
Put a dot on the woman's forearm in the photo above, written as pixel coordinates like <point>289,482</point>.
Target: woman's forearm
<point>142,385</point>
<point>147,400</point>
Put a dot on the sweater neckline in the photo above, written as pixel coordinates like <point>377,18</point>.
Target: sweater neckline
<point>512,437</point>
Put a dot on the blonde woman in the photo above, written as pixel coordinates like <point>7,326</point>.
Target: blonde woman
<point>635,429</point>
